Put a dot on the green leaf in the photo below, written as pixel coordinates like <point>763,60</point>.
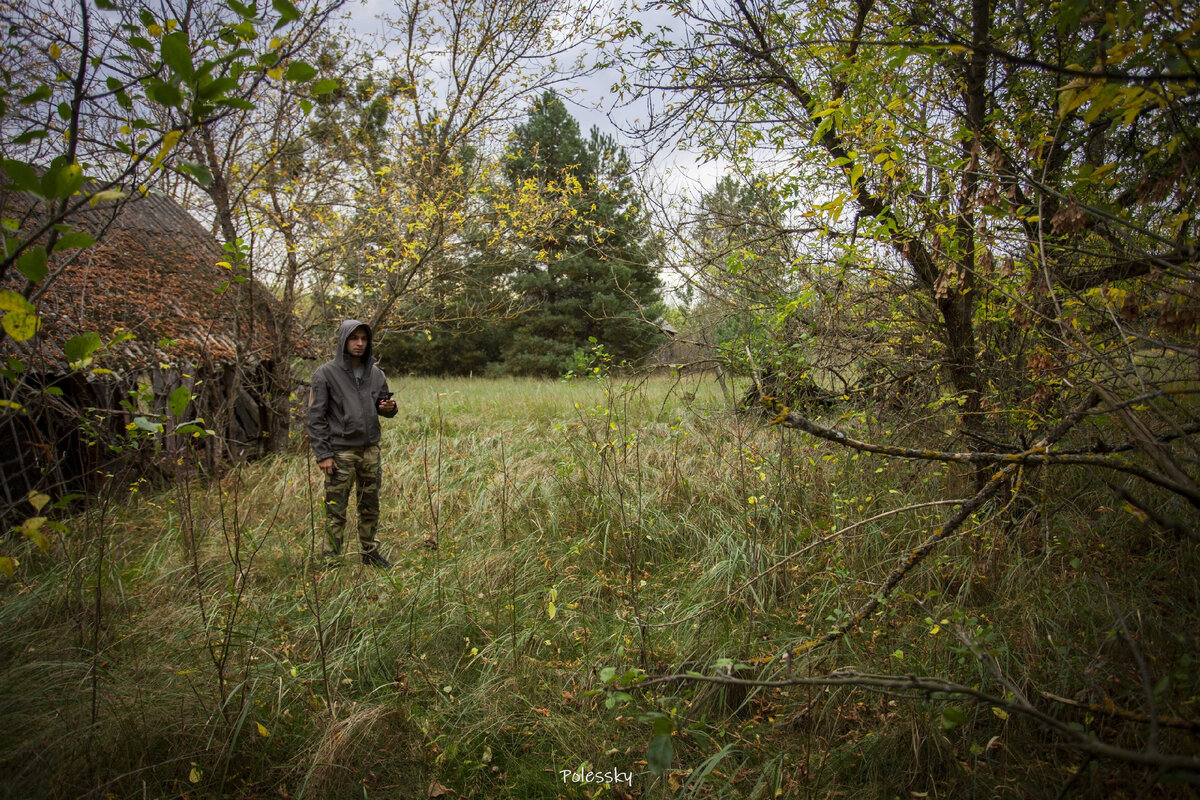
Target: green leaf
<point>21,325</point>
<point>952,717</point>
<point>177,402</point>
<point>141,43</point>
<point>36,96</point>
<point>659,753</point>
<point>1069,14</point>
<point>106,5</point>
<point>32,263</point>
<point>80,347</point>
<point>243,11</point>
<point>165,94</point>
<point>300,71</point>
<point>22,177</point>
<point>217,87</point>
<point>663,725</point>
<point>236,102</point>
<point>144,424</point>
<point>306,106</point>
<point>287,12</point>
<point>36,134</point>
<point>176,53</point>
<point>245,31</point>
<point>325,86</point>
<point>198,171</point>
<point>74,240</point>
<point>68,180</point>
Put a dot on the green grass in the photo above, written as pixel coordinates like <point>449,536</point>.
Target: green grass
<point>209,655</point>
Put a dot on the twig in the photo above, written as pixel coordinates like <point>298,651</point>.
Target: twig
<point>1112,710</point>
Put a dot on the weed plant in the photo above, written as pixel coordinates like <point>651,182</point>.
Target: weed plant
<point>547,535</point>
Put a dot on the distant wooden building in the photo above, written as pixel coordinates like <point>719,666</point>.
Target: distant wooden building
<point>152,286</point>
<point>685,354</point>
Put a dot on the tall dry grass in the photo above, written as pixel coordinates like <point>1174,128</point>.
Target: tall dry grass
<point>544,533</point>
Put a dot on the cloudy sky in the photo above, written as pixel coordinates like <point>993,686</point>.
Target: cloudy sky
<point>592,104</point>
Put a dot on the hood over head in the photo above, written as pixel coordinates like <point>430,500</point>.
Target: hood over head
<point>344,330</point>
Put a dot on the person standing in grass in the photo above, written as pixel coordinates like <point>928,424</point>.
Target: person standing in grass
<point>348,396</point>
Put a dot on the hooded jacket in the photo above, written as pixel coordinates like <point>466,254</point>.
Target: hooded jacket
<point>343,412</point>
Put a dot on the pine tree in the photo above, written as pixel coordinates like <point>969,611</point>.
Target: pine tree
<point>590,280</point>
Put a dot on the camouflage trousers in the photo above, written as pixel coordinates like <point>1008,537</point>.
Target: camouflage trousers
<point>361,467</point>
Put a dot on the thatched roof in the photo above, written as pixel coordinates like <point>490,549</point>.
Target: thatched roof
<point>153,273</point>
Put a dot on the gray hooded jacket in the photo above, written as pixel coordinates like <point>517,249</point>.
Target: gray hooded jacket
<point>343,412</point>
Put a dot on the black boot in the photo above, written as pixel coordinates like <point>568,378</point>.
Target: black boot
<point>375,559</point>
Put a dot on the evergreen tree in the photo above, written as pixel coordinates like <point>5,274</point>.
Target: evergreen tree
<point>590,279</point>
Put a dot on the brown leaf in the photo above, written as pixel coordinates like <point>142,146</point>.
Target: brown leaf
<point>1068,220</point>
<point>987,262</point>
<point>437,790</point>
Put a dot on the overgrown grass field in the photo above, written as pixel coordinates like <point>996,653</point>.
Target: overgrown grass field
<point>554,543</point>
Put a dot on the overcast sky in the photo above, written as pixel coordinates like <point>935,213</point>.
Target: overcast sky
<point>592,105</point>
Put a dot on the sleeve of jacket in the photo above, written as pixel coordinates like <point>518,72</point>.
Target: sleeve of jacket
<point>318,417</point>
<point>383,387</point>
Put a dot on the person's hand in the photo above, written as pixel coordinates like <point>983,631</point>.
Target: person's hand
<point>387,406</point>
<point>327,465</point>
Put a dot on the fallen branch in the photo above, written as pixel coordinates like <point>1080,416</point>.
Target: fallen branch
<point>947,530</point>
<point>917,687</point>
<point>1038,455</point>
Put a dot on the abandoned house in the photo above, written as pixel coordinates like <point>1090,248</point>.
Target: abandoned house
<point>168,314</point>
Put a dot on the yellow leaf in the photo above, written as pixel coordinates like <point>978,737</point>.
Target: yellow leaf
<point>31,529</point>
<point>195,775</point>
<point>21,325</point>
<point>109,194</point>
<point>1000,712</point>
<point>275,73</point>
<point>169,141</point>
<point>8,565</point>
<point>38,500</point>
<point>935,630</point>
<point>552,610</point>
<point>11,301</point>
<point>55,51</point>
<point>262,731</point>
